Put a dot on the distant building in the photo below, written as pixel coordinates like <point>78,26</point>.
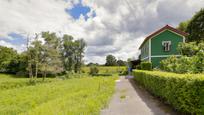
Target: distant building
<point>161,44</point>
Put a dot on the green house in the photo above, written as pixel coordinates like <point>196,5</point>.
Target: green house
<point>161,44</point>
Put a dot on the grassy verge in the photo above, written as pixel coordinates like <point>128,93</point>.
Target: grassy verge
<point>73,96</point>
<point>11,81</point>
<point>185,92</point>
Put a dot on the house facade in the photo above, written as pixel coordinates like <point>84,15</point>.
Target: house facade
<point>161,44</point>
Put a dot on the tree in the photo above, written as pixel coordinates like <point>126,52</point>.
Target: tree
<point>7,56</point>
<point>50,57</point>
<point>68,52</point>
<point>72,53</point>
<point>79,54</point>
<point>183,26</point>
<point>121,63</point>
<point>188,49</point>
<point>195,27</point>
<point>111,60</point>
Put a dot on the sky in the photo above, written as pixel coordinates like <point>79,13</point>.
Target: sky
<point>115,27</point>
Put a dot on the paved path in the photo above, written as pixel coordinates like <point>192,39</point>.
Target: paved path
<point>130,99</point>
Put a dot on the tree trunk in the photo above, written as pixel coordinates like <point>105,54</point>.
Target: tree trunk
<point>36,70</point>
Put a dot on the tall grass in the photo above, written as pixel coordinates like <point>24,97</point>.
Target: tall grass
<point>11,81</point>
<point>107,69</point>
<point>73,96</point>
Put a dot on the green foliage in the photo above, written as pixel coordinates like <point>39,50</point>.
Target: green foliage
<point>73,96</point>
<point>8,59</point>
<point>146,65</point>
<point>183,91</point>
<point>121,63</point>
<point>191,60</point>
<point>102,74</point>
<point>138,67</point>
<point>107,69</point>
<point>183,26</point>
<point>93,70</point>
<point>196,27</point>
<point>188,49</point>
<point>8,81</point>
<point>72,53</point>
<point>111,60</point>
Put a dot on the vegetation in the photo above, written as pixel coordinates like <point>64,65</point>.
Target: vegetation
<point>74,96</point>
<point>112,61</point>
<point>191,60</point>
<point>195,27</point>
<point>11,81</point>
<point>146,65</point>
<point>183,91</point>
<point>94,70</point>
<point>107,69</point>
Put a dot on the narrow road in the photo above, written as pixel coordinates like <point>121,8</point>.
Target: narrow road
<point>131,99</point>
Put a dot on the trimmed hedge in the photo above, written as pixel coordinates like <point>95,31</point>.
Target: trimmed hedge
<point>185,92</point>
<point>146,65</point>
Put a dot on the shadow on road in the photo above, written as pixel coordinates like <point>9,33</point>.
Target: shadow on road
<point>153,103</point>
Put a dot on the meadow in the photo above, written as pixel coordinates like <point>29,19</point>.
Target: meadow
<point>107,69</point>
<point>87,95</point>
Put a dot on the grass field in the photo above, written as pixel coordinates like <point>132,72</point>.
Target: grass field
<point>12,81</point>
<point>107,69</point>
<point>86,95</point>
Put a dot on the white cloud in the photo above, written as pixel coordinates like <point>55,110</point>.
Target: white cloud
<point>118,28</point>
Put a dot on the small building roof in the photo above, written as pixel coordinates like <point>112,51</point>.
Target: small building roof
<point>167,27</point>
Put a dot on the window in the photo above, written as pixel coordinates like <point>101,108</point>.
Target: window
<point>166,45</point>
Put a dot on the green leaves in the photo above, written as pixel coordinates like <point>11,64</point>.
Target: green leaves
<point>183,91</point>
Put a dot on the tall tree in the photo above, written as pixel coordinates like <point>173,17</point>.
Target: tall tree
<point>50,58</point>
<point>111,60</point>
<point>79,54</point>
<point>196,27</point>
<point>72,53</point>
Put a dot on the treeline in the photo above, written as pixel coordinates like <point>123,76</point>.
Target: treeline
<point>110,61</point>
<point>192,59</point>
<point>46,54</point>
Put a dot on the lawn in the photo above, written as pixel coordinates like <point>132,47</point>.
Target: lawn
<point>86,95</point>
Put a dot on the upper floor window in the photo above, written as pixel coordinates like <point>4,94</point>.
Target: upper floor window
<point>166,45</point>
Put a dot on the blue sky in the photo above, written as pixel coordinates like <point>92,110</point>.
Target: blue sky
<point>78,10</point>
<point>117,28</point>
<point>15,39</point>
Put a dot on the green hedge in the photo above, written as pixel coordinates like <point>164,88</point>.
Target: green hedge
<point>146,65</point>
<point>185,92</point>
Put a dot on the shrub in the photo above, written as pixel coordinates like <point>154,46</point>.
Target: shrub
<point>183,91</point>
<point>93,70</point>
<point>146,65</point>
<point>138,67</point>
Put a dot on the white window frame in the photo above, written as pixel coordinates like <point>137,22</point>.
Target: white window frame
<point>166,45</point>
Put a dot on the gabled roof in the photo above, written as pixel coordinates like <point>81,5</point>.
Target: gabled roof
<point>167,27</point>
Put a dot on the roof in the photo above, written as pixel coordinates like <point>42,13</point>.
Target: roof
<point>167,27</point>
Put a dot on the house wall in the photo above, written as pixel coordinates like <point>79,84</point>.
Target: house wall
<point>157,52</point>
<point>145,51</point>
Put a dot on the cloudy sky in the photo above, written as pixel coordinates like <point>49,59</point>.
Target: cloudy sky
<point>109,26</point>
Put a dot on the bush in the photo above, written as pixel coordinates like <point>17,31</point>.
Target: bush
<point>93,70</point>
<point>146,65</point>
<point>183,91</point>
